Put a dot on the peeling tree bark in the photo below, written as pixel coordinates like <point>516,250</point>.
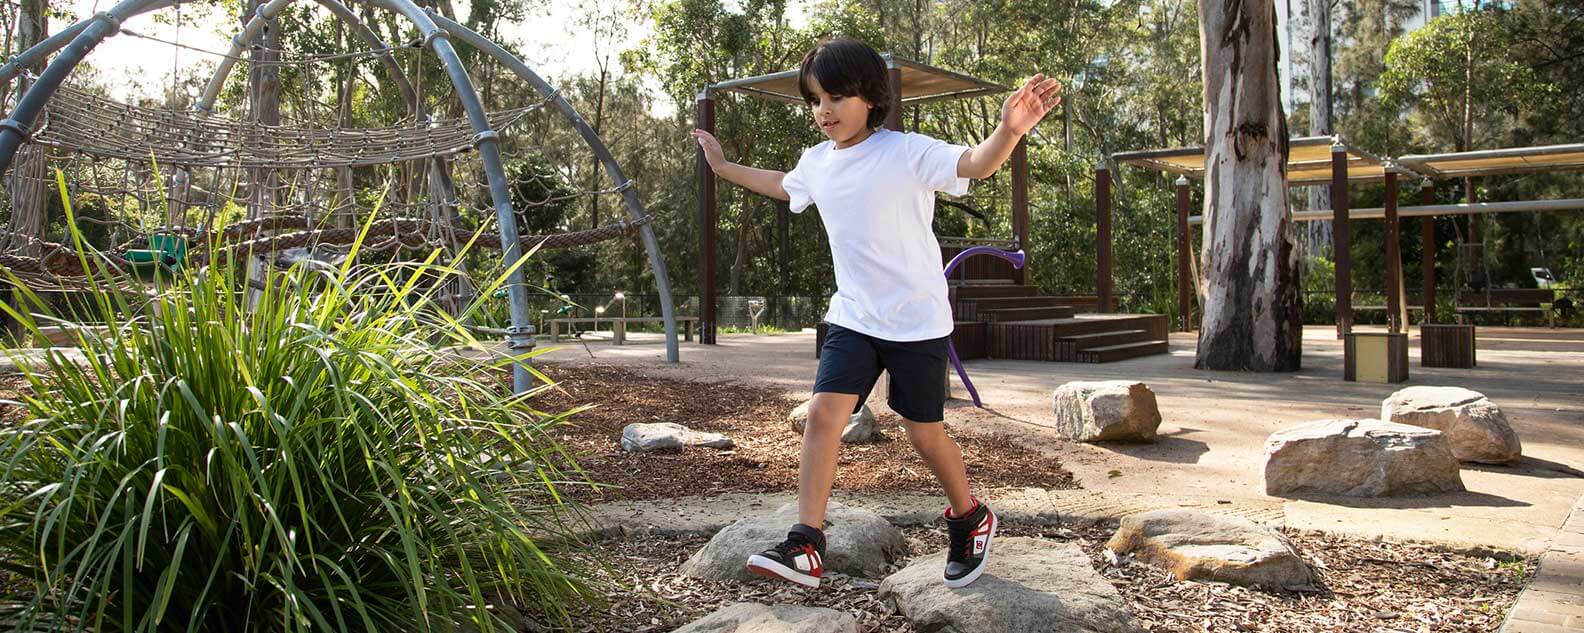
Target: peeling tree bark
<point>1250,288</point>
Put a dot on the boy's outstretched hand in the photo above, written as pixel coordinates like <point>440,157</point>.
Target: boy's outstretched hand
<point>712,149</point>
<point>1030,103</point>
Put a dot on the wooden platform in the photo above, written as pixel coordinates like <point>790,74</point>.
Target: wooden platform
<point>1022,324</point>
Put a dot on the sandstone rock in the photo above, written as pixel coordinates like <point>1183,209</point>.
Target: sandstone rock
<point>1200,546</point>
<point>1113,410</point>
<point>1473,425</point>
<point>644,437</point>
<point>857,543</point>
<point>1031,586</point>
<point>1359,458</point>
<point>860,427</point>
<point>749,617</point>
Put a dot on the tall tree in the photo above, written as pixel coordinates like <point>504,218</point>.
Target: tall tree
<point>28,204</point>
<point>1250,290</point>
<point>1320,102</point>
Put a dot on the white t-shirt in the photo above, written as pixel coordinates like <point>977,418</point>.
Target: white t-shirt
<point>877,199</point>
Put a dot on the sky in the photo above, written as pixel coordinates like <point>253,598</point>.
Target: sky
<point>550,39</point>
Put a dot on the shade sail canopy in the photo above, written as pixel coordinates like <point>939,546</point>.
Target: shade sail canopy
<point>921,83</point>
<point>1308,161</point>
<point>1493,162</point>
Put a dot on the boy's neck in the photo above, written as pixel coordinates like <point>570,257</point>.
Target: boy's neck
<point>856,139</point>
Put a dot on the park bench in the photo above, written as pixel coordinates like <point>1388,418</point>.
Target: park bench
<point>619,326</point>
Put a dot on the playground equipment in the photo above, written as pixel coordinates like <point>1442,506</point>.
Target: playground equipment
<point>1017,259</point>
<point>296,178</point>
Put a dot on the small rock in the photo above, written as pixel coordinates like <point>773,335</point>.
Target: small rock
<point>1474,426</point>
<point>857,543</point>
<point>1115,410</point>
<point>1031,586</point>
<point>1199,546</point>
<point>750,617</point>
<point>860,427</point>
<point>1359,458</point>
<point>645,437</point>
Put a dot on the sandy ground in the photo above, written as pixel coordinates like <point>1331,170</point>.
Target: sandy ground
<point>1215,425</point>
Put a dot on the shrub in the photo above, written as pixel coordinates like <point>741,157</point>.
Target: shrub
<point>321,461</point>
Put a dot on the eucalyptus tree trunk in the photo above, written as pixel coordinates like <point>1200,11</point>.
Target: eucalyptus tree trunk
<point>1250,285</point>
<point>1319,232</point>
<point>26,224</point>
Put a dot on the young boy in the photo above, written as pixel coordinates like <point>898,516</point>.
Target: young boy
<point>875,189</point>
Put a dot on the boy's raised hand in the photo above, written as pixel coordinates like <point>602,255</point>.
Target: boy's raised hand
<point>1030,103</point>
<point>711,147</point>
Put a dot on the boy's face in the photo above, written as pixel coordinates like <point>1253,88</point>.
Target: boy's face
<point>842,119</point>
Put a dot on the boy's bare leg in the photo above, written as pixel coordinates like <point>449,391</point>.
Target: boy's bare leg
<point>944,459</point>
<point>828,415</point>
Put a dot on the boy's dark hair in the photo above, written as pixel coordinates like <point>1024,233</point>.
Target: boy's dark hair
<point>848,68</point>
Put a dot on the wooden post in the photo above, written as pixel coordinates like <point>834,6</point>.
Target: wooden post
<point>1020,211</point>
<point>708,225</point>
<point>1103,237</point>
<point>1394,320</point>
<point>1427,258</point>
<point>1341,241</point>
<point>1184,248</point>
<point>894,117</point>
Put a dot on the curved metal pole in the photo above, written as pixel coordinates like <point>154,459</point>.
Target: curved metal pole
<point>39,51</point>
<point>487,140</point>
<point>634,207</point>
<point>1017,258</point>
<point>268,11</point>
<point>20,123</point>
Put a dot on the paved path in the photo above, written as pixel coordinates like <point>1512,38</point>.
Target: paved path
<point>1554,600</point>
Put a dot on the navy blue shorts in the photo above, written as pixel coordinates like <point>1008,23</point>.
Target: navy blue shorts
<point>851,362</point>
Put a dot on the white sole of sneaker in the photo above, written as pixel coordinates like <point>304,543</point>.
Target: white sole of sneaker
<point>995,522</point>
<point>761,566</point>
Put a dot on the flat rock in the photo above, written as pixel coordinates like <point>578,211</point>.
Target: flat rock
<point>1031,586</point>
<point>857,543</point>
<point>644,437</point>
<point>860,427</point>
<point>1359,458</point>
<point>751,617</point>
<point>1112,410</point>
<point>1200,546</point>
<point>1474,426</point>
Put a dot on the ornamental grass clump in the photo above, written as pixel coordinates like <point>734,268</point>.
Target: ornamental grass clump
<point>317,461</point>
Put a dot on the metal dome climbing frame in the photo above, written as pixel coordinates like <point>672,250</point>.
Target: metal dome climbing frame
<point>194,139</point>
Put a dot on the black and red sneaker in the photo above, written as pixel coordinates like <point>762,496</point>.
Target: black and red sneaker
<point>800,558</point>
<point>969,544</point>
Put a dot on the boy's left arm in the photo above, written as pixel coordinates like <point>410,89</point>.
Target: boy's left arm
<point>1019,114</point>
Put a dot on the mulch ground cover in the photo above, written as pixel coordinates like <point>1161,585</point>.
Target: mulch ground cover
<point>765,458</point>
<point>1363,586</point>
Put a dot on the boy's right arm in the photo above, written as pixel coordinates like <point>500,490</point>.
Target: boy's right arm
<point>765,182</point>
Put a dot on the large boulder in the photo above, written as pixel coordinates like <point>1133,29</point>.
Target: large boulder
<point>749,617</point>
<point>645,437</point>
<point>1031,586</point>
<point>860,426</point>
<point>1359,458</point>
<point>857,543</point>
<point>1473,425</point>
<point>1112,410</point>
<point>1200,546</point>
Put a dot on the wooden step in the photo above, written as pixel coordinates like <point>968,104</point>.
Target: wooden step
<point>1112,353</point>
<point>980,291</point>
<point>1001,303</point>
<point>1105,339</point>
<point>978,282</point>
<point>1002,315</point>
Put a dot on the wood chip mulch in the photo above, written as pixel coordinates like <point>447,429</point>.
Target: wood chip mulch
<point>765,458</point>
<point>1363,586</point>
